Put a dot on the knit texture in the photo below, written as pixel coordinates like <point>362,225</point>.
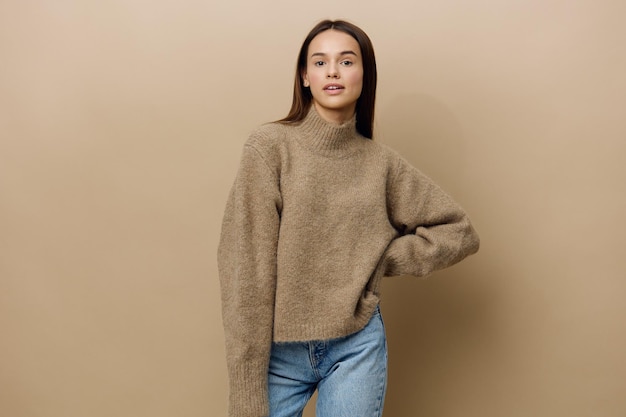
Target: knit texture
<point>316,217</point>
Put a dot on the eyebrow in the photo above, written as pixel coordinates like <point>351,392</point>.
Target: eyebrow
<point>341,53</point>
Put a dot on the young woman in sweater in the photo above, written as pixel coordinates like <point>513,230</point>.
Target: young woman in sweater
<point>317,215</point>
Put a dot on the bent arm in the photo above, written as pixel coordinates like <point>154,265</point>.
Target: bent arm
<point>435,232</point>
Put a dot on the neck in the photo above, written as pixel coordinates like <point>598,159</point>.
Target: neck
<point>335,116</point>
<point>328,138</point>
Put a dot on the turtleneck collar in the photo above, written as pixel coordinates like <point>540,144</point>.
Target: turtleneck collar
<point>330,139</point>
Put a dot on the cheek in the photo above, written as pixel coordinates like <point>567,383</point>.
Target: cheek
<point>356,80</point>
<point>317,79</point>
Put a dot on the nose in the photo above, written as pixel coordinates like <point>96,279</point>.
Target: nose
<point>332,72</point>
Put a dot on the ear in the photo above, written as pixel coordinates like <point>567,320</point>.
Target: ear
<point>305,79</point>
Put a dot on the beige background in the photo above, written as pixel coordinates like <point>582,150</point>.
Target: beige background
<point>121,124</point>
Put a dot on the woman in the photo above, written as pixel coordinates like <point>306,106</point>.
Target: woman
<point>317,215</point>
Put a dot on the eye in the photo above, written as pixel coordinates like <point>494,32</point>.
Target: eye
<point>318,63</point>
<point>346,63</point>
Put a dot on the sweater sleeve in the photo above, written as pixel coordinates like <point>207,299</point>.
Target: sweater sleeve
<point>247,271</point>
<point>434,231</point>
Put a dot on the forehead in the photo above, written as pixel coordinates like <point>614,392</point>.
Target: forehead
<point>332,42</point>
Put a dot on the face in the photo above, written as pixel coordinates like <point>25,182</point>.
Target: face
<point>334,73</point>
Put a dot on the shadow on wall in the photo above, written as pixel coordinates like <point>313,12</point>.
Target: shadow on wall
<point>439,329</point>
<point>427,134</point>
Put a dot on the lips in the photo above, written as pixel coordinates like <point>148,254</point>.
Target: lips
<point>333,87</point>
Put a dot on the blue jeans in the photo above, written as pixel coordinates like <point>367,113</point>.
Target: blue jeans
<point>350,374</point>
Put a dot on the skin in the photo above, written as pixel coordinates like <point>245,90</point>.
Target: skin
<point>334,57</point>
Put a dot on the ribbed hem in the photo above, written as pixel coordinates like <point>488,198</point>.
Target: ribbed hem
<point>248,392</point>
<point>329,139</point>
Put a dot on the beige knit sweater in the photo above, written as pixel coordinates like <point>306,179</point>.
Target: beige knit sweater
<point>316,217</point>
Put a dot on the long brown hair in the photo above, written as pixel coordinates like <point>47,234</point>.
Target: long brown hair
<point>302,97</point>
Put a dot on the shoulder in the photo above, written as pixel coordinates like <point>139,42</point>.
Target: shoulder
<point>267,141</point>
<point>399,168</point>
<point>385,153</point>
<point>384,149</point>
<point>268,135</point>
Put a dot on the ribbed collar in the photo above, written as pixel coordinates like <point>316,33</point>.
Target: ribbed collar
<point>328,139</point>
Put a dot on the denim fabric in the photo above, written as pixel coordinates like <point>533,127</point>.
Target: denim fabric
<point>350,374</point>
